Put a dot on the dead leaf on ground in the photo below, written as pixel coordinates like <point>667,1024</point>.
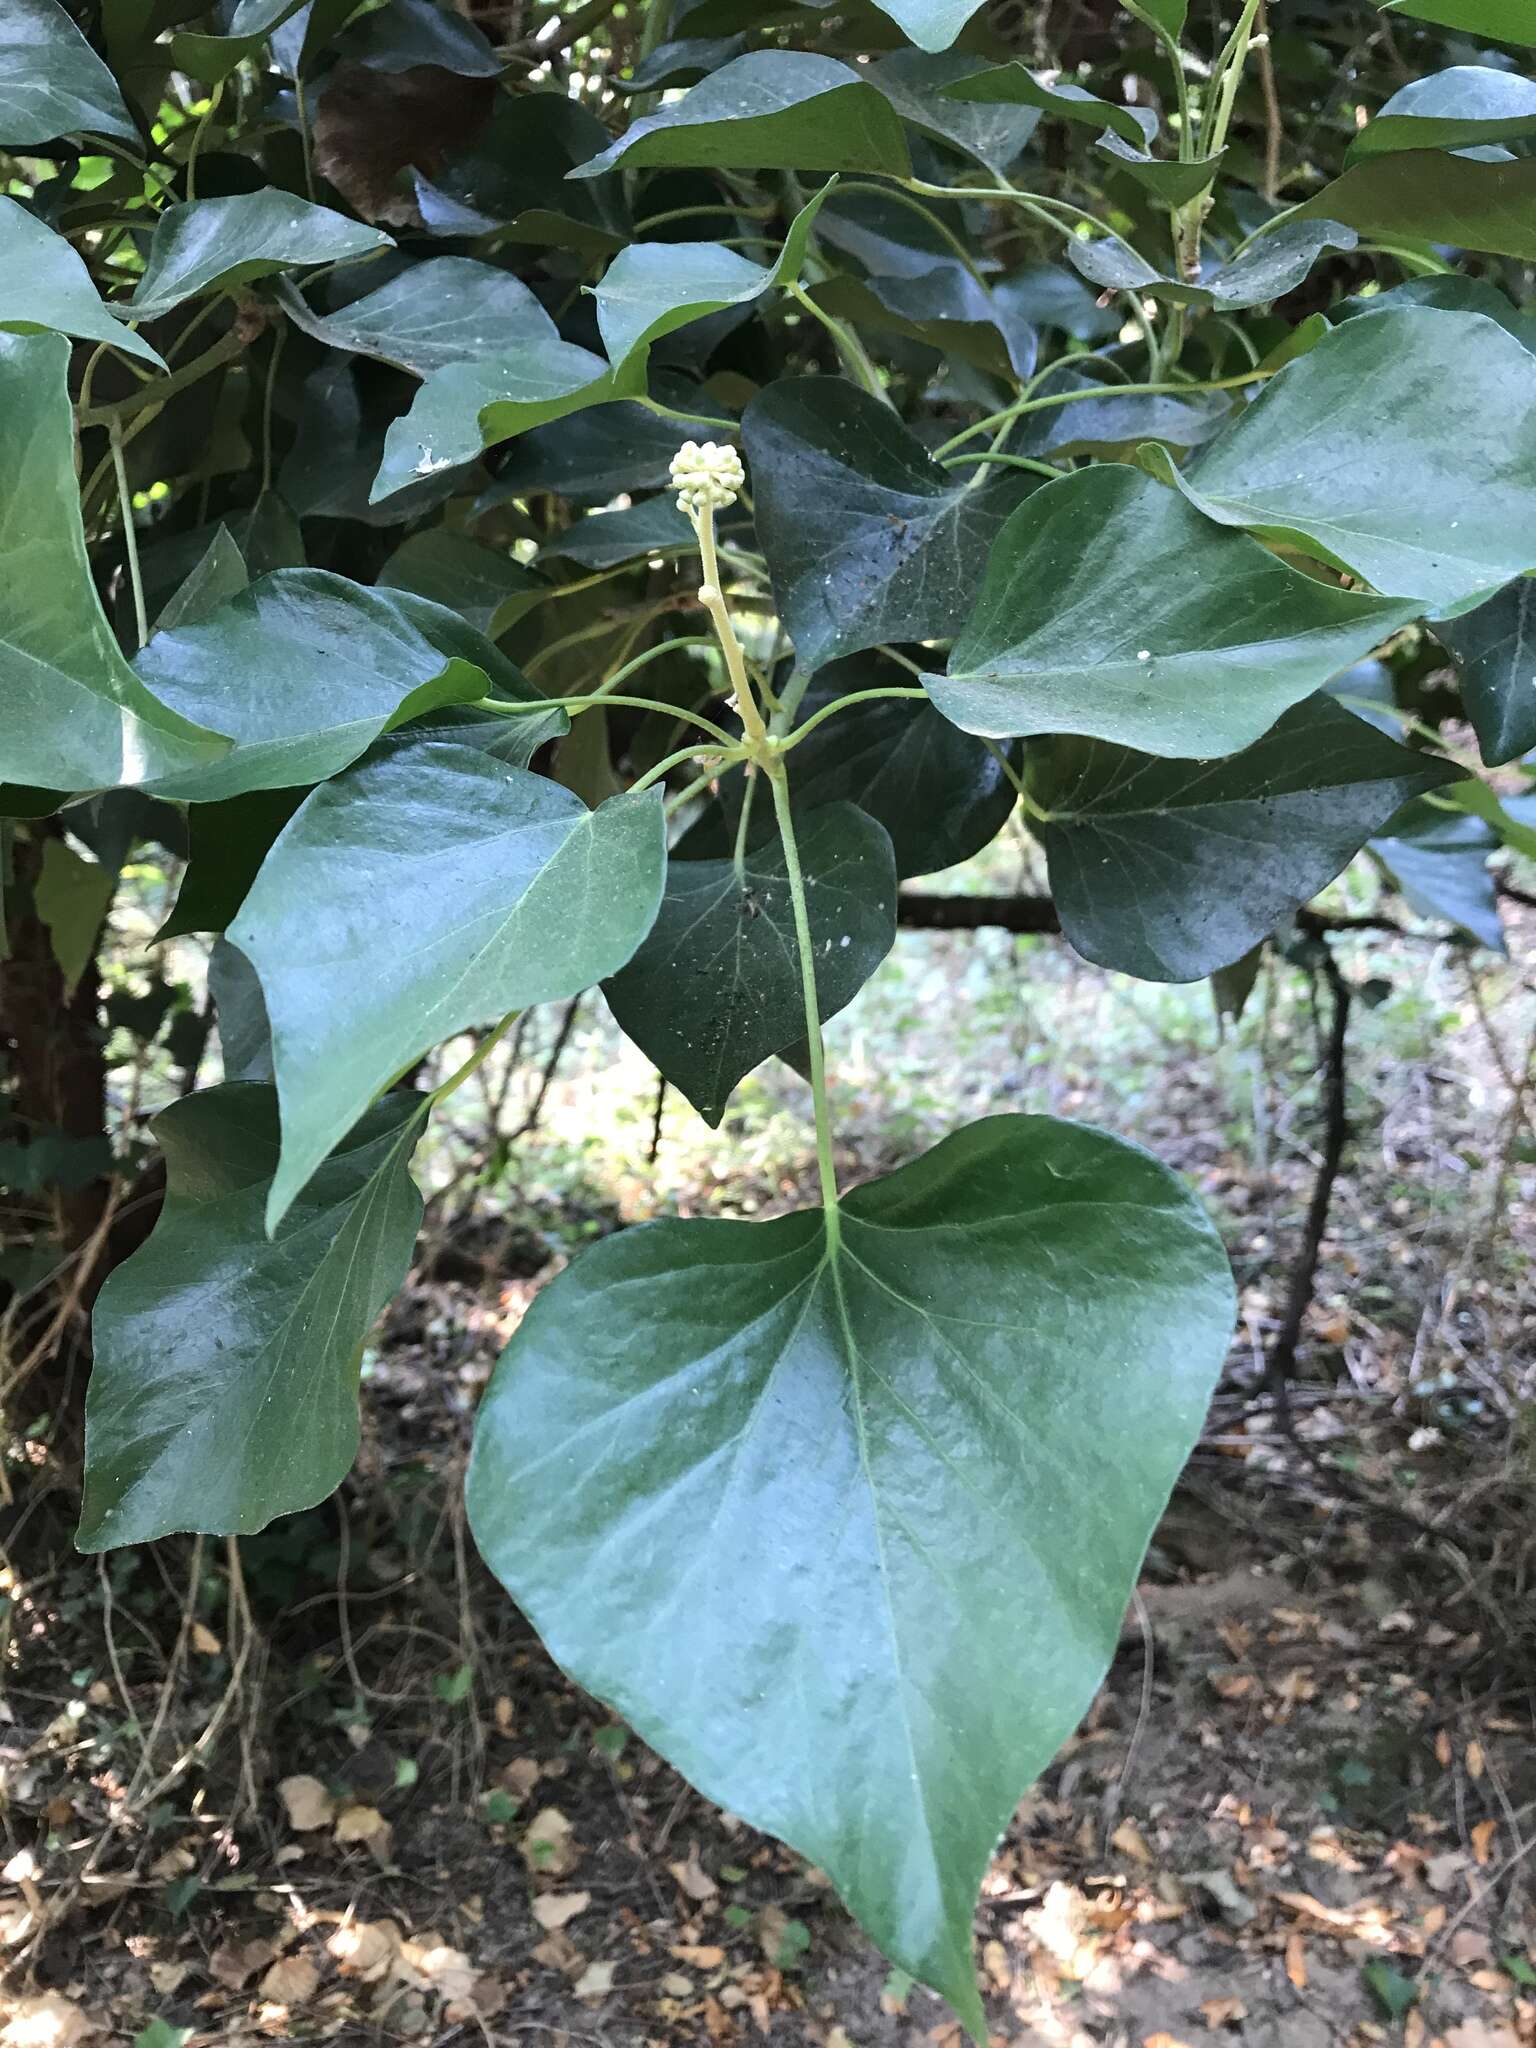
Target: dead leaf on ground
<point>699,1956</point>
<point>367,1825</point>
<point>1130,1841</point>
<point>174,1863</point>
<point>596,1980</point>
<point>204,1641</point>
<point>58,2021</point>
<point>1296,1962</point>
<point>365,1949</point>
<point>168,1978</point>
<point>1482,1840</point>
<point>234,1963</point>
<point>1482,2034</point>
<point>293,1981</point>
<point>692,1877</point>
<point>1222,2012</point>
<point>556,1909</point>
<point>307,1803</point>
<point>547,1847</point>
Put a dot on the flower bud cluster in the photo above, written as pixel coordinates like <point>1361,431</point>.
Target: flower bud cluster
<point>706,476</point>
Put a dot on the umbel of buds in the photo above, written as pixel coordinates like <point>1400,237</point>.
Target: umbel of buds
<point>706,477</point>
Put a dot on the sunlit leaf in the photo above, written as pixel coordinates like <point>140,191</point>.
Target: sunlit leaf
<point>208,245</point>
<point>52,82</point>
<point>44,283</point>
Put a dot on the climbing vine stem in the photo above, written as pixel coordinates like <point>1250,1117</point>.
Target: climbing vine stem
<point>779,783</point>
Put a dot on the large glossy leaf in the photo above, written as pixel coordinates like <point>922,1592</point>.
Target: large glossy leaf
<point>1494,648</point>
<point>1439,860</point>
<point>847,1531</point>
<point>207,245</point>
<point>1275,265</point>
<point>1112,611</point>
<point>43,283</point>
<point>656,526</point>
<point>249,24</point>
<point>1449,292</point>
<point>769,110</point>
<point>931,24</point>
<point>1506,21</point>
<point>426,890</point>
<point>1171,869</point>
<point>469,406</point>
<point>52,82</point>
<point>73,715</point>
<point>513,177</point>
<point>305,669</point>
<point>716,989</point>
<point>227,842</point>
<point>1402,447</point>
<point>1466,105</point>
<point>407,33</point>
<point>1425,196</point>
<point>1016,85</point>
<point>866,538</point>
<point>653,288</point>
<point>590,458</point>
<point>224,1387</point>
<point>448,309</point>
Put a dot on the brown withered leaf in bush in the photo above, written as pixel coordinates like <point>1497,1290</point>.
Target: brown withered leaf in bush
<point>371,125</point>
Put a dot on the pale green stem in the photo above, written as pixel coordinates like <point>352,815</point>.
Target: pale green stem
<point>842,704</point>
<point>476,1060</point>
<point>576,705</point>
<point>687,419</point>
<point>665,767</point>
<point>854,355</point>
<point>743,825</point>
<point>712,597</point>
<point>825,1163</point>
<point>1054,398</point>
<point>130,536</point>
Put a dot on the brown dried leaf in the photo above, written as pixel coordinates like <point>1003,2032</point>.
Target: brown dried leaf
<point>1130,1841</point>
<point>51,2019</point>
<point>1296,1962</point>
<point>558,1909</point>
<point>292,1981</point>
<point>234,1963</point>
<point>692,1877</point>
<point>307,1803</point>
<point>365,1949</point>
<point>1482,1840</point>
<point>547,1847</point>
<point>596,1980</point>
<point>1222,2012</point>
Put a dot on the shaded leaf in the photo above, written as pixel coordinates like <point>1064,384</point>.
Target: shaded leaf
<point>1449,293</point>
<point>867,539</point>
<point>514,176</point>
<point>43,283</point>
<point>208,245</point>
<point>218,575</point>
<point>245,1037</point>
<point>52,82</point>
<point>1467,104</point>
<point>408,33</point>
<point>448,309</point>
<point>1425,196</point>
<point>71,898</point>
<point>1494,649</point>
<point>1112,611</point>
<point>1507,21</point>
<point>1402,447</point>
<point>73,715</point>
<point>227,842</point>
<point>213,57</point>
<point>1275,264</point>
<point>487,588</point>
<point>1016,85</point>
<point>715,989</point>
<point>889,1500</point>
<point>767,110</point>
<point>224,1387</point>
<point>424,891</point>
<point>1170,870</point>
<point>914,80</point>
<point>1439,860</point>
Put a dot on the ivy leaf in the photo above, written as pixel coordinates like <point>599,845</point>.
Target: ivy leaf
<point>218,575</point>
<point>224,1387</point>
<point>1454,109</point>
<point>1105,421</point>
<point>52,83</point>
<point>72,897</point>
<point>1402,447</point>
<point>914,81</point>
<point>226,845</point>
<point>931,24</point>
<point>889,1496</point>
<point>206,245</point>
<point>408,33</point>
<point>1426,196</point>
<point>1494,649</point>
<point>653,288</point>
<point>1448,293</point>
<point>590,458</point>
<point>1112,611</point>
<point>73,715</point>
<point>1275,265</point>
<point>604,539</point>
<point>306,669</point>
<point>715,989</point>
<point>212,58</point>
<point>488,589</point>
<point>514,177</point>
<point>469,406</point>
<point>866,538</point>
<point>1170,870</point>
<point>682,62</point>
<point>769,110</point>
<point>429,889</point>
<point>448,309</point>
<point>1015,85</point>
<point>43,283</point>
<point>245,1037</point>
<point>1506,21</point>
<point>1170,182</point>
<point>1439,860</point>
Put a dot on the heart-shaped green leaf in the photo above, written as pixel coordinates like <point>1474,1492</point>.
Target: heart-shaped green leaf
<point>73,715</point>
<point>427,890</point>
<point>1112,611</point>
<point>1506,21</point>
<point>866,538</point>
<point>914,81</point>
<point>52,82</point>
<point>448,309</point>
<point>487,588</point>
<point>224,1387</point>
<point>1402,447</point>
<point>1439,860</point>
<point>207,245</point>
<point>1275,265</point>
<point>846,1527</point>
<point>769,110</point>
<point>43,283</point>
<point>1171,869</point>
<point>716,988</point>
<point>1494,648</point>
<point>1016,85</point>
<point>306,669</point>
<point>213,57</point>
<point>931,24</point>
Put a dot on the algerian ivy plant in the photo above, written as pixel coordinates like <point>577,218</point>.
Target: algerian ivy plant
<point>557,500</point>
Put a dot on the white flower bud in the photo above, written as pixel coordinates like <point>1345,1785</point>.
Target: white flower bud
<point>706,475</point>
